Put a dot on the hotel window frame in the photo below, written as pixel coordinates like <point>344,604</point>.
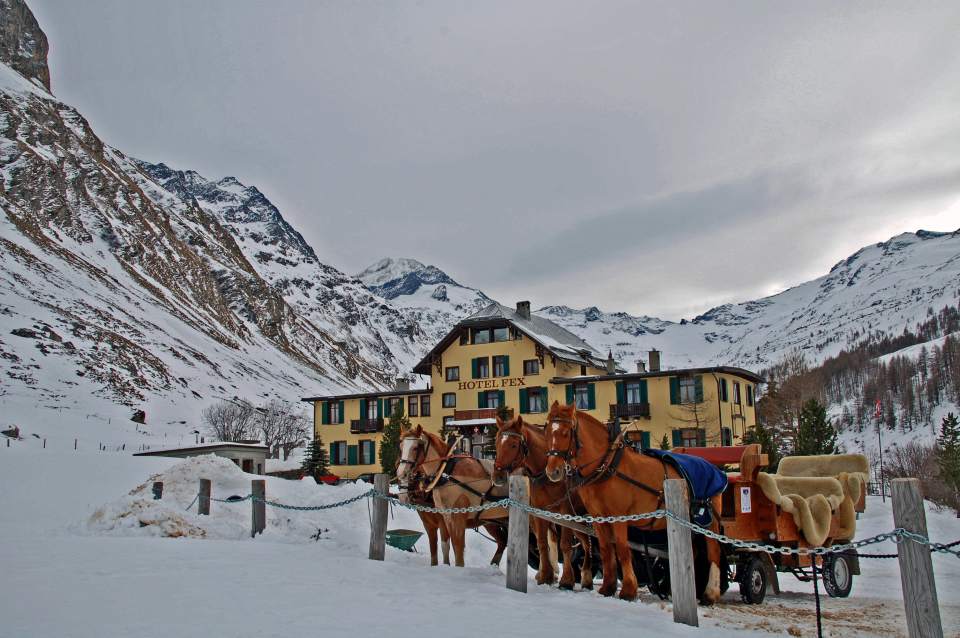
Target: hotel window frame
<point>424,406</point>
<point>336,416</point>
<point>452,373</point>
<point>369,459</point>
<point>413,405</point>
<point>540,394</point>
<point>500,366</point>
<point>448,400</point>
<point>371,409</point>
<point>736,393</point>
<point>496,399</point>
<point>391,406</point>
<point>691,437</point>
<point>581,391</point>
<point>531,367</point>
<point>482,368</point>
<point>632,392</point>
<point>497,333</point>
<point>751,399</point>
<point>338,451</point>
<point>688,389</point>
<point>475,332</point>
<point>724,391</point>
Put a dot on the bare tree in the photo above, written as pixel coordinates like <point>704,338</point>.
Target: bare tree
<point>281,426</point>
<point>229,420</point>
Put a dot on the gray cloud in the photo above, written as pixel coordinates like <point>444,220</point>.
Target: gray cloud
<point>679,154</point>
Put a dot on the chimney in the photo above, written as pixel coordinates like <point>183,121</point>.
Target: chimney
<point>611,364</point>
<point>641,365</point>
<point>654,360</point>
<point>523,309</point>
<point>402,384</point>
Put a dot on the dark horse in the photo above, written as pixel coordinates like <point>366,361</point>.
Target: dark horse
<point>614,480</point>
<point>523,446</point>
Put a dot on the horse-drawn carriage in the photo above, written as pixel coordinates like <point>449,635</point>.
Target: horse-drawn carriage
<point>577,464</point>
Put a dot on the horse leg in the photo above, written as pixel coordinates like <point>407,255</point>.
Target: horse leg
<point>430,525</point>
<point>458,530</point>
<point>545,570</point>
<point>444,539</point>
<point>628,587</point>
<point>499,535</point>
<point>712,592</point>
<point>605,540</point>
<point>566,548</point>
<point>586,570</point>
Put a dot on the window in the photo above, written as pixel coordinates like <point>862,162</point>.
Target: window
<point>449,400</point>
<point>724,394</point>
<point>367,453</point>
<point>537,398</point>
<point>583,371</point>
<point>581,396</point>
<point>392,405</point>
<point>736,393</point>
<point>501,366</point>
<point>481,335</point>
<point>371,408</point>
<point>338,453</point>
<point>481,367</point>
<point>688,390</point>
<point>633,393</point>
<point>501,334</point>
<point>453,373</point>
<point>749,394</point>
<point>335,414</point>
<point>424,406</point>
<point>493,399</point>
<point>531,367</point>
<point>464,337</point>
<point>726,436</point>
<point>447,420</point>
<point>691,437</point>
<point>412,404</point>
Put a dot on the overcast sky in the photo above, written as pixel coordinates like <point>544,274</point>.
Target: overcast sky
<point>659,158</point>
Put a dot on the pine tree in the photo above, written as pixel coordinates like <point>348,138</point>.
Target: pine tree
<point>948,453</point>
<point>815,434</point>
<point>390,441</point>
<point>768,443</point>
<point>315,461</point>
<point>664,443</point>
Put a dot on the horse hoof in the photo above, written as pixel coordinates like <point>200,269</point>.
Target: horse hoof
<point>607,591</point>
<point>586,586</point>
<point>565,586</point>
<point>628,595</point>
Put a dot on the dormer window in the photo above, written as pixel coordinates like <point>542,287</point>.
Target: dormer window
<point>481,335</point>
<point>501,334</point>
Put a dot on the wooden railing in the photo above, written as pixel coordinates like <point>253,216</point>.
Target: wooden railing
<point>482,413</point>
<point>366,426</point>
<point>629,410</point>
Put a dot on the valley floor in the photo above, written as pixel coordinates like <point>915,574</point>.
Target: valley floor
<point>67,574</point>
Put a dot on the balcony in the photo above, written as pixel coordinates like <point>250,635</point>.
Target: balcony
<point>366,426</point>
<point>482,413</point>
<point>629,410</point>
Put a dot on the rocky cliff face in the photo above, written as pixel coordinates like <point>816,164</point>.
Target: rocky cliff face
<point>23,45</point>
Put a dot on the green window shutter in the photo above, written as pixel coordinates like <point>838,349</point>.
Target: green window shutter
<point>727,436</point>
<point>569,393</point>
<point>621,393</point>
<point>749,394</point>
<point>352,455</point>
<point>474,368</point>
<point>644,440</point>
<point>363,409</point>
<point>524,401</point>
<point>506,366</point>
<point>702,438</point>
<point>643,391</point>
<point>723,391</point>
<point>677,438</point>
<point>674,391</point>
<point>342,418</point>
<point>502,398</point>
<point>333,454</point>
<point>325,413</point>
<point>379,408</point>
<point>698,388</point>
<point>591,397</point>
<point>481,399</point>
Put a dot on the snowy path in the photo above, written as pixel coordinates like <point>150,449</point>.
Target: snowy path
<point>62,579</point>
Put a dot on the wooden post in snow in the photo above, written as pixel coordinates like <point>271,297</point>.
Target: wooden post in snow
<point>683,589</point>
<point>203,500</point>
<point>916,565</point>
<point>259,490</point>
<point>378,524</point>
<point>518,535</point>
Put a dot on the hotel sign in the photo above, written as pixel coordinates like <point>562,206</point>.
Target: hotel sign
<point>491,384</point>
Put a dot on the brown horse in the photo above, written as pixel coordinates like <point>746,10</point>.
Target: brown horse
<point>523,446</point>
<point>580,448</point>
<point>453,481</point>
<point>433,524</point>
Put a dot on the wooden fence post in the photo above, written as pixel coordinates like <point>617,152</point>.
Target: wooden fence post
<point>203,501</point>
<point>378,524</point>
<point>518,535</point>
<point>916,565</point>
<point>157,490</point>
<point>259,490</point>
<point>683,590</point>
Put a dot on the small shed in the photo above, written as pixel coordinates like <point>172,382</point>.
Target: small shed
<point>249,457</point>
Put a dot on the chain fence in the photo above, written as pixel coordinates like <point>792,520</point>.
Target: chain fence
<point>897,536</point>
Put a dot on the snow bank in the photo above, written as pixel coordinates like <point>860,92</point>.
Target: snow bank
<point>137,514</point>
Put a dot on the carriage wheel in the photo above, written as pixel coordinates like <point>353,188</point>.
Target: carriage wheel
<point>660,578</point>
<point>752,576</point>
<point>837,576</point>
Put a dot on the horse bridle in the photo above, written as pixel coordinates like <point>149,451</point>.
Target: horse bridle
<point>574,444</point>
<point>417,461</point>
<point>519,458</point>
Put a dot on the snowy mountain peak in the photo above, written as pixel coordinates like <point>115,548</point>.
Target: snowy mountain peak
<point>23,45</point>
<point>392,277</point>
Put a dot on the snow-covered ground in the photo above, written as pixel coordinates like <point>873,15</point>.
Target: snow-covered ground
<point>85,552</point>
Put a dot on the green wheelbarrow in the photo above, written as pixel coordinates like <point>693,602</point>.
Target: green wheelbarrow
<point>403,539</point>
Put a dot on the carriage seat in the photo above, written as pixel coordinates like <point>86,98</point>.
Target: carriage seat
<point>815,488</point>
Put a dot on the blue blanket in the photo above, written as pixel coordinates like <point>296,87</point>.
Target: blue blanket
<point>703,478</point>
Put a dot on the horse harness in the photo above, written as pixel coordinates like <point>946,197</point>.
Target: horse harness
<point>519,461</point>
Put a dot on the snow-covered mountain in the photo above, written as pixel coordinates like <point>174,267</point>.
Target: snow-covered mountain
<point>880,289</point>
<point>426,295</point>
<point>116,290</point>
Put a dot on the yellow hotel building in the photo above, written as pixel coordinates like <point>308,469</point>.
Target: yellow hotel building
<point>506,358</point>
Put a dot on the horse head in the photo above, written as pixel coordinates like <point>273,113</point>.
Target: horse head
<point>561,435</point>
<point>413,445</point>
<point>511,449</point>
